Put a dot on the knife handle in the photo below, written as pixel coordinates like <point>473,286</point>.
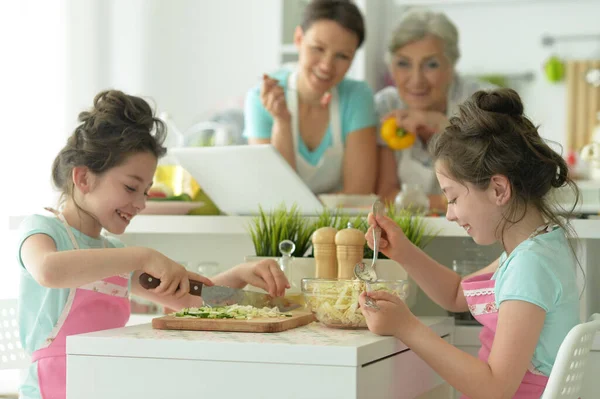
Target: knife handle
<point>148,282</point>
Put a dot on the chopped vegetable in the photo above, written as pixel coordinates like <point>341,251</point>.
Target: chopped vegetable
<point>336,304</point>
<point>237,312</point>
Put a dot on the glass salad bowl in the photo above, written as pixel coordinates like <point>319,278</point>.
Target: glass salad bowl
<point>334,302</point>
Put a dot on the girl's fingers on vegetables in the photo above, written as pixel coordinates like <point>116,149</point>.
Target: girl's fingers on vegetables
<point>267,276</point>
<point>280,280</point>
<point>259,278</point>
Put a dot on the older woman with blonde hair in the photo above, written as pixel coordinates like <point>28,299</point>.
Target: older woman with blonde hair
<point>421,57</point>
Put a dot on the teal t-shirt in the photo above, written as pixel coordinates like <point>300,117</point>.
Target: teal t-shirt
<point>39,307</point>
<point>542,271</point>
<point>357,111</point>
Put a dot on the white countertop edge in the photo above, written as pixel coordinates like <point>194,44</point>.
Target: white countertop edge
<point>350,352</point>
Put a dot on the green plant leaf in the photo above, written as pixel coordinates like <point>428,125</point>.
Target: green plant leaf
<point>268,229</point>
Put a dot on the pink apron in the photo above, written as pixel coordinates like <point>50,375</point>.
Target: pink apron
<point>96,306</point>
<point>480,296</point>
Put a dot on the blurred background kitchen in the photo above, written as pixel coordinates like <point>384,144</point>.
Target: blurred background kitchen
<point>195,59</point>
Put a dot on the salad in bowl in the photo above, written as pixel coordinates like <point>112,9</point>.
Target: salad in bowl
<point>334,302</point>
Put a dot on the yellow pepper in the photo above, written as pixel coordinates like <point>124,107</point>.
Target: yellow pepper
<point>395,137</point>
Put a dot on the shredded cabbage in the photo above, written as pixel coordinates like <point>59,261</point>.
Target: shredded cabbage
<point>238,312</point>
<point>335,304</point>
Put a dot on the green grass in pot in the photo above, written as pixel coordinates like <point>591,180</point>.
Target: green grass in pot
<point>339,220</point>
<point>268,229</point>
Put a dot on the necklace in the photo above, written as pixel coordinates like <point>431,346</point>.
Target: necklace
<point>545,228</point>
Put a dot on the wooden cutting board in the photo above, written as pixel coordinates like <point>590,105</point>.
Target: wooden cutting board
<point>258,325</point>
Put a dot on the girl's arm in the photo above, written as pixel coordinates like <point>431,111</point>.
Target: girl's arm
<point>518,330</point>
<point>360,161</point>
<point>440,283</point>
<point>264,274</point>
<point>74,268</point>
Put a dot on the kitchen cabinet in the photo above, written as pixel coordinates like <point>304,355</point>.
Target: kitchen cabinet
<point>310,362</point>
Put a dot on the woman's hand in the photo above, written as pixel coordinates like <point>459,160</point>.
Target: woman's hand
<point>393,241</point>
<point>272,97</point>
<point>393,316</point>
<point>422,123</point>
<point>174,278</point>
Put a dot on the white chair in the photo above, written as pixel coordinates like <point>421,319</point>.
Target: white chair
<point>13,359</point>
<point>567,374</point>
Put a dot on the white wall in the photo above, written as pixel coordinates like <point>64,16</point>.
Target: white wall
<point>187,56</point>
<point>193,56</point>
<point>33,79</point>
<point>505,37</point>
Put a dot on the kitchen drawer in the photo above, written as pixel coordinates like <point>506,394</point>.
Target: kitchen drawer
<point>169,378</point>
<point>402,376</point>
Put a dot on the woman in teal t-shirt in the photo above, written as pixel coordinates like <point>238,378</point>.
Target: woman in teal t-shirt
<point>322,123</point>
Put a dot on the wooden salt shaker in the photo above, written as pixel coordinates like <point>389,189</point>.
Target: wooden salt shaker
<point>350,246</point>
<point>324,251</point>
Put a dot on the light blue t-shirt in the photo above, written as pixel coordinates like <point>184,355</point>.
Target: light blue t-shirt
<point>357,111</point>
<point>39,307</point>
<point>542,271</point>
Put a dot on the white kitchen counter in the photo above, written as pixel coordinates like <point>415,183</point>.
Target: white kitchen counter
<point>307,362</point>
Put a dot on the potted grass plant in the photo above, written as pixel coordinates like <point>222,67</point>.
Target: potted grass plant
<point>269,228</point>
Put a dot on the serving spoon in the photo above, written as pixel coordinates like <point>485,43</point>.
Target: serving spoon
<point>363,271</point>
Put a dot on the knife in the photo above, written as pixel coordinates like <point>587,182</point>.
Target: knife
<point>217,295</point>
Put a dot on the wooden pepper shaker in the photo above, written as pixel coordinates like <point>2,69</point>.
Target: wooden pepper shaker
<point>324,251</point>
<point>350,246</point>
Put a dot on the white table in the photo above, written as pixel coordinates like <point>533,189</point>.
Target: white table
<point>307,362</point>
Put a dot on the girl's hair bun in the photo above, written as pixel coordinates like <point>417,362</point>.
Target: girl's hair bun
<point>502,101</point>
